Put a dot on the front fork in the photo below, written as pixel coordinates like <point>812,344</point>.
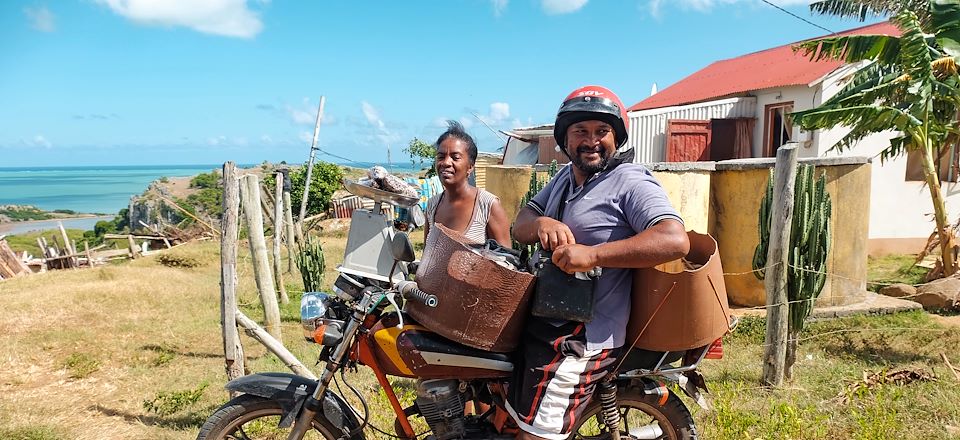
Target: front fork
<point>314,403</point>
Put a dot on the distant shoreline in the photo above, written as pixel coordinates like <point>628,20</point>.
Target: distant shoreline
<point>25,226</point>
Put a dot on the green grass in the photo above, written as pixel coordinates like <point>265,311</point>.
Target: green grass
<point>31,433</point>
<point>81,365</point>
<point>891,269</point>
<point>28,240</point>
<point>832,358</point>
<point>23,213</point>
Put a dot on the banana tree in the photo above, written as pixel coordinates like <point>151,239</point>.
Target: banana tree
<point>909,85</point>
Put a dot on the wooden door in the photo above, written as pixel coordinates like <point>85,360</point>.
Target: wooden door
<point>688,140</point>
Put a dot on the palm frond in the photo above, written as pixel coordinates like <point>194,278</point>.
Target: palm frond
<point>945,20</point>
<point>871,84</point>
<point>861,9</point>
<point>866,118</point>
<point>915,57</point>
<point>851,48</point>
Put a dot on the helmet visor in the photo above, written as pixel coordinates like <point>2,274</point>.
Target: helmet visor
<point>591,104</point>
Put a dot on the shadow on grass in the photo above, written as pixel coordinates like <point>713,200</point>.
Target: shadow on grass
<point>190,420</point>
<point>164,349</point>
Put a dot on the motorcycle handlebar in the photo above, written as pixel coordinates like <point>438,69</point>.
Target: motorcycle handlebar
<point>410,290</point>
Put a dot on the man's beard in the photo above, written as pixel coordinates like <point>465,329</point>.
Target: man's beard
<point>590,168</point>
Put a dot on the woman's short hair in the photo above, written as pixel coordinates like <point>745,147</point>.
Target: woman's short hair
<point>456,131</point>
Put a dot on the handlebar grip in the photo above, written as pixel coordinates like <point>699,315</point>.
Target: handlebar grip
<point>410,290</point>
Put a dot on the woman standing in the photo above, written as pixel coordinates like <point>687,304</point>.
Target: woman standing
<point>473,212</point>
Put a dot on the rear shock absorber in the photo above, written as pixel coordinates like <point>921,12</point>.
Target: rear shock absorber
<point>608,408</point>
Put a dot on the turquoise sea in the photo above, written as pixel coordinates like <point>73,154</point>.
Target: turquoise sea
<point>97,189</point>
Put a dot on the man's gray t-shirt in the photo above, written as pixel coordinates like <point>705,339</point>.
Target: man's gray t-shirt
<point>610,206</point>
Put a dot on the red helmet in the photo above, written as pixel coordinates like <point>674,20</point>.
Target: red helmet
<point>591,103</point>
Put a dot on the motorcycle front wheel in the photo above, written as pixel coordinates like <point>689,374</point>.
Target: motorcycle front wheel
<point>256,418</point>
<point>641,417</point>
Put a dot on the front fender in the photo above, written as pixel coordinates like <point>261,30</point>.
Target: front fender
<point>291,391</point>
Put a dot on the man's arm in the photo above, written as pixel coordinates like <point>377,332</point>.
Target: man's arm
<point>662,242</point>
<point>531,227</point>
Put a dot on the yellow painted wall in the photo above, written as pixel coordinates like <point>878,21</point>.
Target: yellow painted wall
<point>689,193</point>
<point>735,204</point>
<point>510,183</point>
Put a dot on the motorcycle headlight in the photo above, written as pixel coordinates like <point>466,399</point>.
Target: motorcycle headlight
<point>313,307</point>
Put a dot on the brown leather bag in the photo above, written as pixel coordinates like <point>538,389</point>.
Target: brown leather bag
<point>481,304</point>
<point>676,307</point>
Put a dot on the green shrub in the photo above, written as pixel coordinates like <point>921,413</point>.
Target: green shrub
<point>81,365</point>
<point>166,403</point>
<point>326,178</point>
<point>178,261</point>
<point>206,180</point>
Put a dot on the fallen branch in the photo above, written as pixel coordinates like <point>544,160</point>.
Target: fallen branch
<point>954,370</point>
<point>175,205</point>
<point>256,332</point>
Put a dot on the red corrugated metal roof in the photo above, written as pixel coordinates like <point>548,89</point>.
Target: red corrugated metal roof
<point>776,67</point>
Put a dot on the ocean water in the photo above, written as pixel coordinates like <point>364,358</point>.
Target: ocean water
<point>94,189</point>
<point>99,189</point>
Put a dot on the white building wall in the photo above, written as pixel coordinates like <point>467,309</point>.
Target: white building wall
<point>803,98</point>
<point>648,128</point>
<point>898,209</point>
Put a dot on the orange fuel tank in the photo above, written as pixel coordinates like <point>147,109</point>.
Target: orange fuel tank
<point>414,351</point>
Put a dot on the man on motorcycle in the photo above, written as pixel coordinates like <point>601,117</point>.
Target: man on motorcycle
<point>601,211</point>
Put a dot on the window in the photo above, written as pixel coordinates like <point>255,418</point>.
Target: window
<point>777,127</point>
<point>948,165</point>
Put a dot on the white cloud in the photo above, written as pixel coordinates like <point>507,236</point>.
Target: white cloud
<point>562,6</point>
<point>229,18</point>
<point>216,141</point>
<point>306,136</point>
<point>373,116</point>
<point>41,19</point>
<point>499,111</point>
<point>499,6</point>
<point>266,139</point>
<point>40,141</point>
<point>655,7</point>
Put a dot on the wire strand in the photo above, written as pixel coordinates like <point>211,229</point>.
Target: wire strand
<point>798,17</point>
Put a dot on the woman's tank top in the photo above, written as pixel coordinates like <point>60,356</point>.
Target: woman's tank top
<point>477,228</point>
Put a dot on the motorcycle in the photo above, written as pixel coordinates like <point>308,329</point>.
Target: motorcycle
<point>361,323</point>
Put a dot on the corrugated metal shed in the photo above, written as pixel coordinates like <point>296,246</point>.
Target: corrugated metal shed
<point>480,169</point>
<point>775,67</point>
<point>648,128</point>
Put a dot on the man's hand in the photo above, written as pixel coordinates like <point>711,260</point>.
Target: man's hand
<point>575,258</point>
<point>553,234</point>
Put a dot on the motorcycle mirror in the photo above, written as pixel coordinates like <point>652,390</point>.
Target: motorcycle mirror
<point>402,247</point>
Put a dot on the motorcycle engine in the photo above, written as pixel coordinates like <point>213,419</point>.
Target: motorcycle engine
<point>441,405</point>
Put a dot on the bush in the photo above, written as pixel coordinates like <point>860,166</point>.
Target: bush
<point>206,180</point>
<point>208,200</point>
<point>327,178</point>
<point>167,403</point>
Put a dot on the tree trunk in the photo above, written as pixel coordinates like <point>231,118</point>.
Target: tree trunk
<point>947,256</point>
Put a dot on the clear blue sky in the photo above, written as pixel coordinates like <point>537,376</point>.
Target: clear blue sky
<point>112,82</point>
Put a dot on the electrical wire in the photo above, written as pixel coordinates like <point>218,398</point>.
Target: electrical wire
<point>798,17</point>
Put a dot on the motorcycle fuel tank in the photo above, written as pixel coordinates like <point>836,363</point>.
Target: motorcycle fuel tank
<point>415,351</point>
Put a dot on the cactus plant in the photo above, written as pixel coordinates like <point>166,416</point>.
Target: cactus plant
<point>809,244</point>
<point>536,185</point>
<point>310,262</point>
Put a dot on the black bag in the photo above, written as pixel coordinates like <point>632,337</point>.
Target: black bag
<point>560,295</point>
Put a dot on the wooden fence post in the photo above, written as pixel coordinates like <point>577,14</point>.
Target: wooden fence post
<point>230,225</point>
<point>278,238</point>
<point>253,214</point>
<point>72,261</point>
<point>288,218</point>
<point>775,281</point>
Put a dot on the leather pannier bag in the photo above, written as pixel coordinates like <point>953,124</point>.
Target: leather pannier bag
<point>481,303</point>
<point>560,295</point>
<point>682,304</point>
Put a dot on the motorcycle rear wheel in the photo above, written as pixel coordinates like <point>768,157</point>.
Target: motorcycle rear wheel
<point>249,417</point>
<point>639,410</point>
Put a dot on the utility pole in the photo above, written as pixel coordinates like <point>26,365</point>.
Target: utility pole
<point>313,155</point>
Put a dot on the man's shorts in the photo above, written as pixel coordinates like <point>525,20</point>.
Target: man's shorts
<point>554,377</point>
